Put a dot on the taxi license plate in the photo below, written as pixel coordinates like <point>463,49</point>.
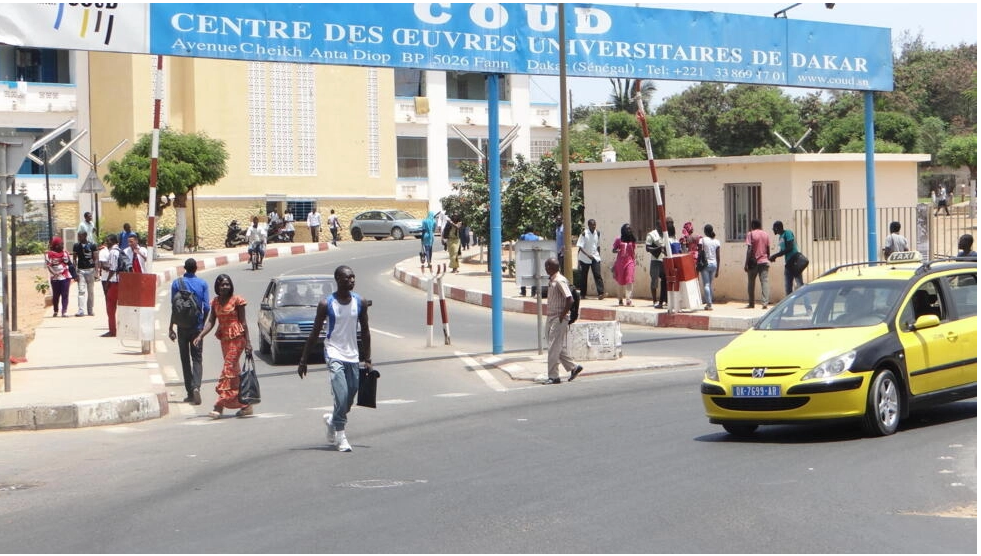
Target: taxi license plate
<point>756,391</point>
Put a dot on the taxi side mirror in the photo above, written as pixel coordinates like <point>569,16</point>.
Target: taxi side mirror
<point>926,321</point>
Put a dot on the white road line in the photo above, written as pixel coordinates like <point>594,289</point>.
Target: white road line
<point>395,401</point>
<point>453,395</point>
<point>483,373</point>
<point>389,334</point>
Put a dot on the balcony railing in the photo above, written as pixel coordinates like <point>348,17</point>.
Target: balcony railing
<point>22,96</point>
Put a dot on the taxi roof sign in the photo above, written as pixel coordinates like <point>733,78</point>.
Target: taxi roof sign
<point>905,257</point>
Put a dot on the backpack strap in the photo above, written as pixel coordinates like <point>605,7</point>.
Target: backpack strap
<point>331,317</point>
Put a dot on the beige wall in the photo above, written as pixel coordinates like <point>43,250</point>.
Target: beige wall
<point>211,96</point>
<point>694,191</point>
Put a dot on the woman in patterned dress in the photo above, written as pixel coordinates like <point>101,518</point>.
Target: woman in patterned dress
<point>233,332</point>
<point>625,248</point>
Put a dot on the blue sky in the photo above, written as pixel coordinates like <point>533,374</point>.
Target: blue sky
<point>945,24</point>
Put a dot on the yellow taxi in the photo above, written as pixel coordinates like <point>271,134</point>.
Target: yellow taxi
<point>866,341</point>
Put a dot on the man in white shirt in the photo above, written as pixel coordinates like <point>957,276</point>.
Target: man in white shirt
<point>655,247</point>
<point>589,259</point>
<point>313,221</point>
<point>256,235</point>
<point>137,254</point>
<point>86,226</point>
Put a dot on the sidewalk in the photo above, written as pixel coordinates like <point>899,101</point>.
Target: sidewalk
<point>473,285</point>
<point>75,378</point>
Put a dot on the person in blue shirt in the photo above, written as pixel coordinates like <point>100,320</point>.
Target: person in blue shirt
<point>530,235</point>
<point>124,236</point>
<point>190,354</point>
<point>428,236</point>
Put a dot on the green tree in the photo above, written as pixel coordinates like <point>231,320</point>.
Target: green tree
<point>752,114</point>
<point>624,94</point>
<point>961,150</point>
<point>532,197</point>
<point>185,161</point>
<point>687,147</point>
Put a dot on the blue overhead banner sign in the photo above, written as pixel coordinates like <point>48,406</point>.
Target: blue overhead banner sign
<point>615,41</point>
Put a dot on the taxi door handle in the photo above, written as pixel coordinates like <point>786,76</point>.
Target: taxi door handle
<point>952,336</point>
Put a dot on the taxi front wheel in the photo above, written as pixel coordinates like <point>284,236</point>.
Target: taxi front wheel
<point>740,429</point>
<point>883,407</point>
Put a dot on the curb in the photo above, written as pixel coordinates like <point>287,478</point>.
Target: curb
<point>643,318</point>
<point>136,407</point>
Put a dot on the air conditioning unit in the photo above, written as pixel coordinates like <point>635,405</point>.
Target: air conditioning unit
<point>70,237</point>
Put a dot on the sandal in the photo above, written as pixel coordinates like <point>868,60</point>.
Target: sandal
<point>215,413</point>
<point>244,412</point>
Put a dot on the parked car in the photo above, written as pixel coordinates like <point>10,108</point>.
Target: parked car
<point>865,341</point>
<point>380,224</point>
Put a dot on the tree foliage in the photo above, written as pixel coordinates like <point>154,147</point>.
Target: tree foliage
<point>960,151</point>
<point>185,161</point>
<point>532,197</point>
<point>624,95</point>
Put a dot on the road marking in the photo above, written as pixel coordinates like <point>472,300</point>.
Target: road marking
<point>389,334</point>
<point>396,401</point>
<point>453,395</point>
<point>483,373</point>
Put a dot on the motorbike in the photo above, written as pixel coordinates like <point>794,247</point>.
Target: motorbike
<point>235,235</point>
<point>277,233</point>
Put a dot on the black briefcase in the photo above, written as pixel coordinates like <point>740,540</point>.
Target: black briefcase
<point>367,386</point>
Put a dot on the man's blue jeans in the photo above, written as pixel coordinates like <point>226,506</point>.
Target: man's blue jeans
<point>344,384</point>
<point>789,278</point>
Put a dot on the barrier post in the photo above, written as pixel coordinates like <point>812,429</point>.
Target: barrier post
<point>442,306</point>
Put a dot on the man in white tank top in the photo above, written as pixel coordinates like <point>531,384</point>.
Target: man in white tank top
<point>343,311</point>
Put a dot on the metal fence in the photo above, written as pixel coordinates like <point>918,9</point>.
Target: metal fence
<point>832,237</point>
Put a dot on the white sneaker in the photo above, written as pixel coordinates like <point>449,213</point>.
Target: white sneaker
<point>342,444</point>
<point>331,433</point>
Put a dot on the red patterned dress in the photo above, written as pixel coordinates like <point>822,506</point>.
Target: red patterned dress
<point>231,333</point>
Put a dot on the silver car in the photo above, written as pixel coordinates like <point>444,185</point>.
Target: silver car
<point>380,224</point>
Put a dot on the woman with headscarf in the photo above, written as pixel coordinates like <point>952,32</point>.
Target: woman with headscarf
<point>428,236</point>
<point>625,247</point>
<point>451,235</point>
<point>690,241</point>
<point>57,260</point>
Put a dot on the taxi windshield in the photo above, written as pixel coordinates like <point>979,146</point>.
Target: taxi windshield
<point>835,304</point>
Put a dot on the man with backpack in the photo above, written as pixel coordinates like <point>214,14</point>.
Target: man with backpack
<point>189,311</point>
<point>560,304</point>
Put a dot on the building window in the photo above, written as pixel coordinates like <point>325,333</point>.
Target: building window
<point>825,204</point>
<point>413,156</point>
<point>643,210</point>
<point>374,131</point>
<point>410,82</point>
<point>458,152</point>
<point>541,148</point>
<point>300,209</point>
<point>743,205</point>
<point>470,86</point>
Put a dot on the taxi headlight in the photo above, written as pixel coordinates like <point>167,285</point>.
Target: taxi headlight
<point>287,328</point>
<point>712,372</point>
<point>832,367</point>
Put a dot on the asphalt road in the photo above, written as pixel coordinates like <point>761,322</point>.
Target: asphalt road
<point>623,463</point>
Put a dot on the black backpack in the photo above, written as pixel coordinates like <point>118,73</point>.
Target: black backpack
<point>123,264</point>
<point>184,307</point>
<point>574,310</point>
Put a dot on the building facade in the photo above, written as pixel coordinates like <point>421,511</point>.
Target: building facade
<point>298,135</point>
<point>821,197</point>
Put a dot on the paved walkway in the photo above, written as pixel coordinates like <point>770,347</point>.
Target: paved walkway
<point>75,378</point>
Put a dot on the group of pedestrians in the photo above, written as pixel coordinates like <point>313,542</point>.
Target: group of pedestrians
<point>344,313</point>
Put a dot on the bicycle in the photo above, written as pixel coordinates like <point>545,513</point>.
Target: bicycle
<point>254,255</point>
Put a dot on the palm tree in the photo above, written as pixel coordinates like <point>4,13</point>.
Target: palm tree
<point>624,90</point>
